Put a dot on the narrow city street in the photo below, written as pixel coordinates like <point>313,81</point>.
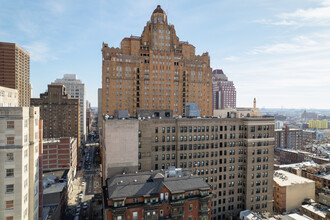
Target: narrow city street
<point>85,201</point>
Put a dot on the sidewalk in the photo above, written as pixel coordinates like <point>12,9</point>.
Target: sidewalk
<point>77,188</point>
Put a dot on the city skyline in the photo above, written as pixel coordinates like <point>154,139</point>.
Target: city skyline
<point>282,47</point>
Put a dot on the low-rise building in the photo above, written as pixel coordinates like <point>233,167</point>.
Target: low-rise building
<point>309,170</point>
<point>291,190</point>
<point>289,156</point>
<point>316,211</point>
<point>318,124</point>
<point>311,135</point>
<point>174,194</point>
<point>324,199</point>
<point>54,196</point>
<point>248,215</point>
<point>61,154</point>
<point>323,178</point>
<point>295,216</point>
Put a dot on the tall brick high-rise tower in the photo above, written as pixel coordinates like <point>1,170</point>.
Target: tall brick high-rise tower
<point>155,71</point>
<point>15,71</point>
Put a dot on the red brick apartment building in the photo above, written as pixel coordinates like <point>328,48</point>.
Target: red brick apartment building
<point>60,153</point>
<point>156,195</point>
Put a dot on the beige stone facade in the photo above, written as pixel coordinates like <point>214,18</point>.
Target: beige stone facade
<point>290,191</point>
<point>19,153</point>
<point>118,143</point>
<point>155,71</point>
<point>233,155</point>
<point>8,97</point>
<point>15,71</point>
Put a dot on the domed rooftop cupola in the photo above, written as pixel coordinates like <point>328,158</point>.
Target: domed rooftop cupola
<point>158,10</point>
<point>159,16</point>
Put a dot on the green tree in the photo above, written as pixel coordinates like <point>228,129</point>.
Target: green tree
<point>318,187</point>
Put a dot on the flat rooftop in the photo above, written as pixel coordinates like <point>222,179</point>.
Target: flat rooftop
<point>284,178</point>
<point>298,165</point>
<point>316,210</point>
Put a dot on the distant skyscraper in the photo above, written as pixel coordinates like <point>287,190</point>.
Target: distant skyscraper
<point>15,71</point>
<point>224,92</point>
<point>155,71</point>
<point>76,89</point>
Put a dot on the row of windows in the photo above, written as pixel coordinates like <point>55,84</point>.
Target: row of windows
<point>259,128</point>
<point>191,129</point>
<point>212,137</point>
<point>207,146</point>
<point>206,128</point>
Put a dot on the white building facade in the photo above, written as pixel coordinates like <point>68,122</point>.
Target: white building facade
<point>19,163</point>
<point>8,97</point>
<point>77,89</point>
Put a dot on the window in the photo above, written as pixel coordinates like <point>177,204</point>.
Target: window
<point>10,218</point>
<point>10,188</point>
<point>10,124</point>
<point>10,140</point>
<point>135,215</point>
<point>9,172</point>
<point>10,157</point>
<point>190,207</point>
<point>10,204</point>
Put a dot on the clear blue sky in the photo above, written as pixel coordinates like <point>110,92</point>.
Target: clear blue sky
<point>277,51</point>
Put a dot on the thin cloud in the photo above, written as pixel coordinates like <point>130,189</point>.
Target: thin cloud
<point>271,22</point>
<point>298,44</point>
<point>56,7</point>
<point>318,16</point>
<point>27,26</point>
<point>40,52</point>
<point>231,58</point>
